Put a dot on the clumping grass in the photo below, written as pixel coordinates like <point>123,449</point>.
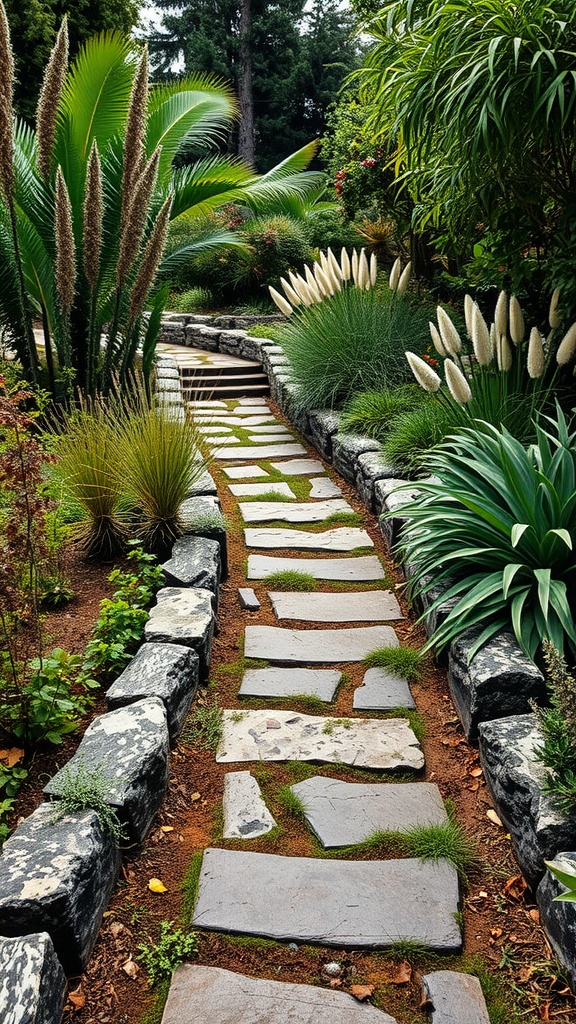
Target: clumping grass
<point>289,579</point>
<point>195,300</point>
<point>408,949</point>
<point>268,496</point>
<point>344,519</point>
<point>291,803</point>
<point>403,661</point>
<point>415,431</point>
<point>203,726</point>
<point>372,413</point>
<point>190,887</point>
<point>309,701</point>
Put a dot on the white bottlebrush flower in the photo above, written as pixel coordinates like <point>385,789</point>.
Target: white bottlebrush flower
<point>333,264</point>
<point>345,265</point>
<point>535,361</point>
<point>405,278</point>
<point>363,275</point>
<point>437,340</point>
<point>282,303</point>
<point>567,347</point>
<point>468,307</point>
<point>493,338</point>
<point>504,354</point>
<point>457,383</point>
<point>481,337</point>
<point>554,318</point>
<point>301,288</point>
<point>373,269</point>
<point>395,274</point>
<point>354,265</point>
<point>425,375</point>
<point>290,292</point>
<point>516,321</point>
<point>450,335</point>
<point>322,280</point>
<point>501,315</point>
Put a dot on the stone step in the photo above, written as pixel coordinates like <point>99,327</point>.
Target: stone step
<point>244,472</point>
<point>324,487</point>
<point>254,490</point>
<point>290,682</point>
<point>298,467</point>
<point>201,994</point>
<point>382,691</point>
<point>215,442</point>
<point>299,512</point>
<point>254,386</point>
<point>348,813</point>
<point>246,816</point>
<point>272,735</point>
<point>316,646</point>
<point>251,452</point>
<point>364,606</point>
<point>350,904</point>
<point>363,568</point>
<point>454,998</point>
<point>343,538</point>
<point>210,369</point>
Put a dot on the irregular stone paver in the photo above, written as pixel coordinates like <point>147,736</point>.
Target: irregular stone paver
<point>253,490</point>
<point>360,569</point>
<point>267,735</point>
<point>32,982</point>
<point>344,538</point>
<point>168,671</point>
<point>248,599</point>
<point>270,438</point>
<point>245,813</point>
<point>317,646</point>
<point>366,606</point>
<point>183,616</point>
<point>214,430</point>
<point>324,487</point>
<point>231,440</point>
<point>382,691</point>
<point>358,904</point>
<point>348,813</point>
<point>222,997</point>
<point>243,472</point>
<point>290,682</point>
<point>456,998</point>
<point>298,512</point>
<point>271,451</point>
<point>270,428</point>
<point>298,467</point>
<point>202,486</point>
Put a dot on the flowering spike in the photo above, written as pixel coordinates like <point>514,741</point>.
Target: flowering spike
<point>437,340</point>
<point>282,303</point>
<point>535,361</point>
<point>481,337</point>
<point>405,278</point>
<point>354,265</point>
<point>395,274</point>
<point>424,374</point>
<point>345,265</point>
<point>450,335</point>
<point>567,347</point>
<point>516,321</point>
<point>373,269</point>
<point>501,315</point>
<point>468,308</point>
<point>290,293</point>
<point>554,318</point>
<point>504,354</point>
<point>457,383</point>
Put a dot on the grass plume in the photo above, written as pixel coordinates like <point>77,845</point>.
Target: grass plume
<point>49,99</point>
<point>65,247</point>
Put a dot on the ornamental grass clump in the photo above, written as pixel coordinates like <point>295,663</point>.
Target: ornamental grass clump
<point>498,527</point>
<point>557,723</point>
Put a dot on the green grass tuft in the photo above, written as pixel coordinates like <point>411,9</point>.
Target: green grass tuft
<point>344,519</point>
<point>289,579</point>
<point>403,661</point>
<point>203,727</point>
<point>372,413</point>
<point>291,803</point>
<point>190,887</point>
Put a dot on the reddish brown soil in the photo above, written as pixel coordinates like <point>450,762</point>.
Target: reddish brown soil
<point>500,918</point>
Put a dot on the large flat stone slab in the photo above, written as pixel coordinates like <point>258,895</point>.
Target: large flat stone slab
<point>254,490</point>
<point>324,487</point>
<point>251,452</point>
<point>167,671</point>
<point>270,428</point>
<point>343,538</point>
<point>290,682</point>
<point>246,816</point>
<point>357,570</point>
<point>348,813</point>
<point>317,646</point>
<point>130,745</point>
<point>366,606</point>
<point>57,876</point>
<point>382,691</point>
<point>266,735</point>
<point>183,616</point>
<point>352,904</point>
<point>456,998</point>
<point>32,982</point>
<point>270,438</point>
<point>298,512</point>
<point>244,472</point>
<point>195,562</point>
<point>199,994</point>
<point>298,467</point>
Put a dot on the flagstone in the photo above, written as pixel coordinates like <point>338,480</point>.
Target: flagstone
<point>253,490</point>
<point>269,428</point>
<point>359,569</point>
<point>241,472</point>
<point>351,904</point>
<point>345,538</point>
<point>324,487</point>
<point>365,606</point>
<point>271,438</point>
<point>290,682</point>
<point>348,813</point>
<point>251,452</point>
<point>246,816</point>
<point>298,467</point>
<point>318,646</point>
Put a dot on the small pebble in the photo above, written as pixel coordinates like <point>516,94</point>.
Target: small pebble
<point>292,945</point>
<point>333,969</point>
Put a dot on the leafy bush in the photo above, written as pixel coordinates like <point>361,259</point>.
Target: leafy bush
<point>558,727</point>
<point>498,528</point>
<point>162,958</point>
<point>350,343</point>
<point>373,413</point>
<point>328,229</point>
<point>195,300</point>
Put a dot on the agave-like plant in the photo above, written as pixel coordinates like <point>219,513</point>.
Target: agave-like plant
<point>86,198</point>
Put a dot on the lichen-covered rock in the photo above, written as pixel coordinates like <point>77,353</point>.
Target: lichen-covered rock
<point>202,516</point>
<point>322,425</point>
<point>167,671</point>
<point>538,830</point>
<point>559,919</point>
<point>500,681</point>
<point>392,495</point>
<point>184,615</point>
<point>57,876</point>
<point>370,467</point>
<point>203,486</point>
<point>346,450</point>
<point>195,562</point>
<point>203,336</point>
<point>455,998</point>
<point>32,982</point>
<point>131,746</point>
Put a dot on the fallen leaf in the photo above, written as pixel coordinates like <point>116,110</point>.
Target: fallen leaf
<point>195,796</point>
<point>11,756</point>
<point>167,828</point>
<point>77,998</point>
<point>116,927</point>
<point>130,968</point>
<point>335,982</point>
<point>362,992</point>
<point>476,773</point>
<point>403,974</point>
<point>473,787</point>
<point>535,915</point>
<point>515,887</point>
<point>155,885</point>
<point>494,817</point>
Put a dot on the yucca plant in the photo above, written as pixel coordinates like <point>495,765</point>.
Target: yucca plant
<point>499,528</point>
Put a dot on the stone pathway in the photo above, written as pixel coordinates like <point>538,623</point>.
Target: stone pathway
<point>348,902</point>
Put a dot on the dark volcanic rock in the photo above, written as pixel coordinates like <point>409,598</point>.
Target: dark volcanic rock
<point>195,562</point>
<point>167,671</point>
<point>57,876</point>
<point>371,467</point>
<point>559,919</point>
<point>322,425</point>
<point>203,517</point>
<point>184,615</point>
<point>515,780</point>
<point>32,982</point>
<point>346,449</point>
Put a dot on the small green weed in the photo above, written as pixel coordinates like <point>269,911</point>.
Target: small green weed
<point>333,723</point>
<point>309,701</point>
<point>344,519</point>
<point>83,788</point>
<point>190,886</point>
<point>162,958</point>
<point>203,726</point>
<point>403,661</point>
<point>271,495</point>
<point>291,803</point>
<point>290,580</point>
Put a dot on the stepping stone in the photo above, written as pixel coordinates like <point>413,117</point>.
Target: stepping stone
<point>253,490</point>
<point>202,486</point>
<point>222,997</point>
<point>270,428</point>
<point>208,403</point>
<point>344,538</point>
<point>229,439</point>
<point>245,813</point>
<point>264,452</point>
<point>318,646</point>
<point>265,735</point>
<point>298,467</point>
<point>168,671</point>
<point>242,472</point>
<point>360,569</point>
<point>350,904</point>
<point>456,998</point>
<point>369,606</point>
<point>251,401</point>
<point>382,691</point>
<point>214,430</point>
<point>270,438</point>
<point>348,813</point>
<point>248,599</point>
<point>290,682</point>
<point>33,989</point>
<point>299,512</point>
<point>324,487</point>
<point>183,615</point>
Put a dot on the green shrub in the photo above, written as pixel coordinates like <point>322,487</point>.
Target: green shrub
<point>162,958</point>
<point>195,300</point>
<point>350,343</point>
<point>328,229</point>
<point>498,529</point>
<point>276,245</point>
<point>372,413</point>
<point>558,727</point>
<point>415,431</point>
<point>49,702</point>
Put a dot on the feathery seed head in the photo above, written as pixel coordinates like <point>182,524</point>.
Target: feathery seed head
<point>449,334</point>
<point>468,307</point>
<point>437,340</point>
<point>93,214</point>
<point>395,274</point>
<point>373,269</point>
<point>151,259</point>
<point>554,318</point>
<point>49,99</point>
<point>354,265</point>
<point>504,354</point>
<point>501,314</point>
<point>424,374</point>
<point>405,278</point>
<point>535,360</point>
<point>516,321</point>
<point>345,265</point>
<point>493,338</point>
<point>481,337</point>
<point>134,222</point>
<point>457,383</point>
<point>301,288</point>
<point>282,303</point>
<point>6,108</point>
<point>135,129</point>
<point>65,248</point>
<point>567,347</point>
<point>334,265</point>
<point>291,295</point>
<point>363,274</point>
